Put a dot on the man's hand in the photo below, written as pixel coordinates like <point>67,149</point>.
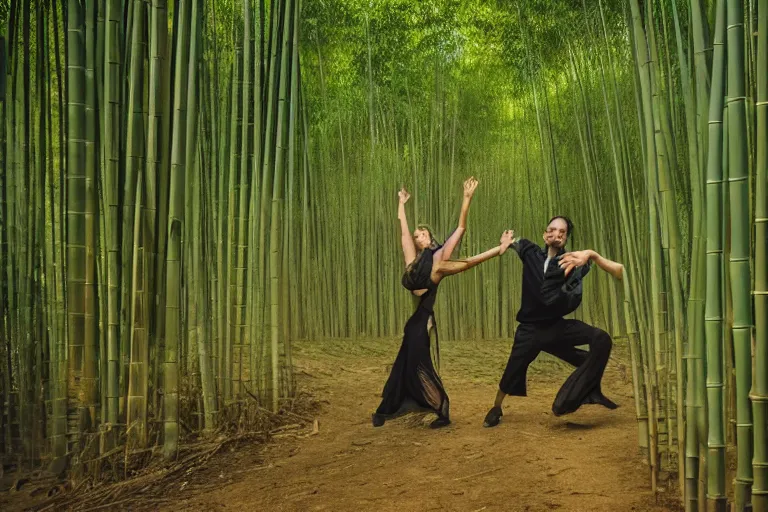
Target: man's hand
<point>403,195</point>
<point>571,260</point>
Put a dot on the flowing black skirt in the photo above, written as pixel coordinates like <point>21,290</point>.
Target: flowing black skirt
<point>413,379</point>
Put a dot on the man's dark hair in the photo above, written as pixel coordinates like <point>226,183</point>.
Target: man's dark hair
<point>568,224</point>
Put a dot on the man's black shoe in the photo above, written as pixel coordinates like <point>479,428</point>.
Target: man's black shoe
<point>493,417</point>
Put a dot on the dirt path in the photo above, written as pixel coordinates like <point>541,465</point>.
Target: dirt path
<point>532,461</point>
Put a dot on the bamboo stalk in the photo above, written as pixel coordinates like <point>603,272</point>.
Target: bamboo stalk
<point>173,335</point>
<point>740,249</point>
<point>714,317</point>
<point>138,375</point>
<point>759,394</point>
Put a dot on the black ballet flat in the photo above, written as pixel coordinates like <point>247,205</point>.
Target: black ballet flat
<point>441,421</point>
<point>377,420</point>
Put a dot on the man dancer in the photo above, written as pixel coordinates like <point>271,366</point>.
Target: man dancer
<point>542,326</point>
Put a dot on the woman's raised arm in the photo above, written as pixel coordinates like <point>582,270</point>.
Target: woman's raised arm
<point>446,250</point>
<point>409,249</point>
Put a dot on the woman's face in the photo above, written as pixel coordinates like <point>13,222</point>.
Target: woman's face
<point>422,239</point>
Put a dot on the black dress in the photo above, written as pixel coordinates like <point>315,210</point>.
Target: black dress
<point>413,377</point>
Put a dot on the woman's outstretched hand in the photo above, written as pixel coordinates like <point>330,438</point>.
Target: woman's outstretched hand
<point>469,186</point>
<point>507,237</point>
<point>403,195</point>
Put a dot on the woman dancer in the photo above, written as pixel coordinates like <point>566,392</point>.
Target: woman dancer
<point>413,375</point>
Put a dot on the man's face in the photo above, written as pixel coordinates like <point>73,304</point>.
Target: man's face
<point>556,234</point>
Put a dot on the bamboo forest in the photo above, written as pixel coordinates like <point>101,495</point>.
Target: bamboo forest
<point>201,261</point>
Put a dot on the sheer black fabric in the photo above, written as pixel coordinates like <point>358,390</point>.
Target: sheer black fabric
<point>413,377</point>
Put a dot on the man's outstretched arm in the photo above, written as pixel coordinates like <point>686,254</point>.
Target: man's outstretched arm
<point>571,260</point>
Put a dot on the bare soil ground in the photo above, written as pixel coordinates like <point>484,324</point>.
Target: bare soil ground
<point>532,461</point>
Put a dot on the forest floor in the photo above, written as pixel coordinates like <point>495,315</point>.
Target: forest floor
<point>334,460</point>
<point>532,461</point>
